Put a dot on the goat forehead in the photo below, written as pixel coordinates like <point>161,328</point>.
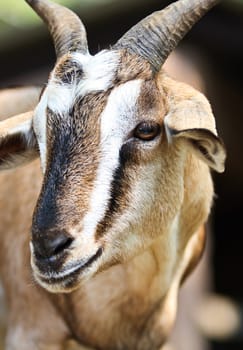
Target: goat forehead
<point>79,75</point>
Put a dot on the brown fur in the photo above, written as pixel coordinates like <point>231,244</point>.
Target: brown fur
<point>130,305</point>
<point>132,67</point>
<point>26,98</point>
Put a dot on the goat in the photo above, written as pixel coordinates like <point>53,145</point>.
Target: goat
<point>125,153</point>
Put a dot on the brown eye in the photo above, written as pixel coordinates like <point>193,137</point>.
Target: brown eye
<point>147,131</point>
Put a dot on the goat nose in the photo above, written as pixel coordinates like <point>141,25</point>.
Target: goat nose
<point>52,244</point>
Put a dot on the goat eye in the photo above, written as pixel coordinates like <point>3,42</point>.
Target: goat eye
<point>147,131</point>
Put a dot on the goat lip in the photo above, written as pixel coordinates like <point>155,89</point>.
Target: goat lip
<point>70,275</point>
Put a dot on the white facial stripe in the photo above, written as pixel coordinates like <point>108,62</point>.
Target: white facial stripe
<point>39,124</point>
<point>117,120</point>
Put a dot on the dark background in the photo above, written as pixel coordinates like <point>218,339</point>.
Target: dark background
<point>218,42</point>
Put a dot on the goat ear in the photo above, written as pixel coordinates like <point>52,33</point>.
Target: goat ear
<point>193,120</point>
<point>18,143</point>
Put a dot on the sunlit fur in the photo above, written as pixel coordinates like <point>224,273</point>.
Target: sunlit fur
<point>145,244</point>
<point>136,205</point>
<point>150,176</point>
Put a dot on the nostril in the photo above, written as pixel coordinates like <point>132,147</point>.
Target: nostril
<point>51,244</point>
<point>62,244</point>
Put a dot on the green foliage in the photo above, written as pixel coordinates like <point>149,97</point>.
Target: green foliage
<point>17,18</point>
<point>19,14</point>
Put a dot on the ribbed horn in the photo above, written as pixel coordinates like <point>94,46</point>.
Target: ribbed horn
<point>158,34</point>
<point>66,28</point>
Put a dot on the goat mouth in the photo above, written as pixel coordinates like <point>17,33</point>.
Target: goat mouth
<point>68,278</point>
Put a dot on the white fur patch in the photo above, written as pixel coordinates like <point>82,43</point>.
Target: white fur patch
<point>60,98</point>
<point>99,71</point>
<point>117,120</point>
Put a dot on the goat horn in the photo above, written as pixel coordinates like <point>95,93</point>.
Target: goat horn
<point>158,34</point>
<point>66,28</point>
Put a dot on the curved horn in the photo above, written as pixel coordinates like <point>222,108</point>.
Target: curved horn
<point>66,28</point>
<point>158,34</point>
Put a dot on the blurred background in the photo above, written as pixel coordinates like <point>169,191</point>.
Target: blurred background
<point>210,58</point>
